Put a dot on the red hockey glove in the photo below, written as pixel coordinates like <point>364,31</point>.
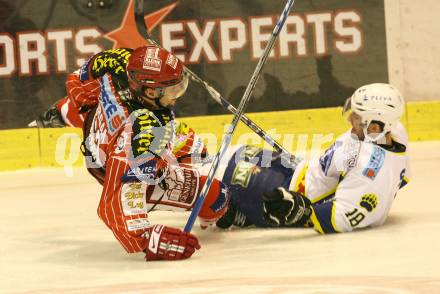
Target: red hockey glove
<point>167,243</point>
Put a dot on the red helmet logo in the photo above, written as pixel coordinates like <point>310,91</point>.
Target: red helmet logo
<point>152,60</point>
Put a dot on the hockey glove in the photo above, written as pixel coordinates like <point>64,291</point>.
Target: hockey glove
<point>165,243</point>
<point>284,208</point>
<point>51,118</point>
<point>188,146</point>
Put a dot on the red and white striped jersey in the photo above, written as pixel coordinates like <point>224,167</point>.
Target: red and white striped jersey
<point>134,147</point>
<point>133,151</point>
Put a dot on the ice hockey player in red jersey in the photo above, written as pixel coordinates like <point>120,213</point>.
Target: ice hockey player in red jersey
<point>122,98</point>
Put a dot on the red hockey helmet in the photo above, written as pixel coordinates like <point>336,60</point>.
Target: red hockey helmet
<point>153,67</point>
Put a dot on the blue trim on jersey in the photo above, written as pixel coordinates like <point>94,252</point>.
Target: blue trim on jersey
<point>323,212</point>
<point>84,71</point>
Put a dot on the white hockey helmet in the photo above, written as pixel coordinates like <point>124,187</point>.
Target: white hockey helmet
<point>376,102</point>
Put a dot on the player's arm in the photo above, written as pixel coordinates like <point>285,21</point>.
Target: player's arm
<point>283,208</point>
<point>82,94</point>
<point>318,178</point>
<point>83,89</point>
<point>400,135</point>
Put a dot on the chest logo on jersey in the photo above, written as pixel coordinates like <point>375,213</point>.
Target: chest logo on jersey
<point>113,111</point>
<point>375,163</point>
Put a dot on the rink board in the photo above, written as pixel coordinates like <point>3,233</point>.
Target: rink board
<point>28,148</point>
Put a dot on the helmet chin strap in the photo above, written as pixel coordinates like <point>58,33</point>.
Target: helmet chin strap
<point>379,139</point>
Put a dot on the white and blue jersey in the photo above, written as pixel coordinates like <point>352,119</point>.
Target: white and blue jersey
<point>352,185</point>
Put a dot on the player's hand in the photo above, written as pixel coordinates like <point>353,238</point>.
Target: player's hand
<point>285,208</point>
<point>166,243</point>
<point>188,146</point>
<point>51,118</point>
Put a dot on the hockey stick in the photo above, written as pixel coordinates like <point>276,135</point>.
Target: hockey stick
<point>143,30</point>
<point>244,100</point>
<point>245,119</point>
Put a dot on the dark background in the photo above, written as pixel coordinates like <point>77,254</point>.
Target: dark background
<point>289,83</point>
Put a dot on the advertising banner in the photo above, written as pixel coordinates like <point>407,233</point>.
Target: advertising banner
<point>326,49</point>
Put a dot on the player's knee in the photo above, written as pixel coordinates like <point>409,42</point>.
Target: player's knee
<point>215,204</point>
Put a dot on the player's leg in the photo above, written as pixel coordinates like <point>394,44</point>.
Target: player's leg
<point>249,174</point>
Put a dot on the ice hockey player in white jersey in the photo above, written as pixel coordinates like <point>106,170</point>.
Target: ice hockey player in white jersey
<point>351,186</point>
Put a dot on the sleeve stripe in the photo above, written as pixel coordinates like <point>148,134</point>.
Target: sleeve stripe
<point>323,217</point>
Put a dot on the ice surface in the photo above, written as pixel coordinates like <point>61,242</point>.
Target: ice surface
<point>52,241</point>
